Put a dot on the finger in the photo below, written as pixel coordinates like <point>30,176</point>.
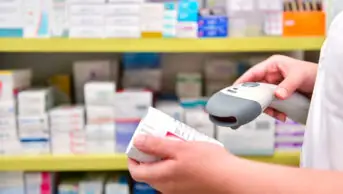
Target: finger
<point>254,74</point>
<point>289,85</point>
<point>150,172</point>
<point>280,116</point>
<point>160,147</point>
<point>269,111</point>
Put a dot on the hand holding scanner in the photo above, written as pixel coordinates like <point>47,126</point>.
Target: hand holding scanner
<point>240,104</point>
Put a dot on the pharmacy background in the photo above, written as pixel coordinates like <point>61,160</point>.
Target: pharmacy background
<point>56,108</point>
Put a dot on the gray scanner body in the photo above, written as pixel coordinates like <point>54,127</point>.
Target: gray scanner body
<point>240,104</point>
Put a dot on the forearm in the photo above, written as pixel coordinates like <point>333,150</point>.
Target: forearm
<point>247,177</point>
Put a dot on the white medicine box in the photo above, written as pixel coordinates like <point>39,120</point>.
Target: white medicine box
<point>35,101</point>
<point>11,82</point>
<point>99,93</point>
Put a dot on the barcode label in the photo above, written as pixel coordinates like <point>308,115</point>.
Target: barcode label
<point>262,125</point>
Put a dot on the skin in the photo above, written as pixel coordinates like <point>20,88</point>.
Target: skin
<point>204,168</point>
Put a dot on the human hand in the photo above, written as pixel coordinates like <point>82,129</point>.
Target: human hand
<point>188,167</point>
<point>289,74</point>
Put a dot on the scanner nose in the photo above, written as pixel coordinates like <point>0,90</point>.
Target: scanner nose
<point>230,119</point>
<point>231,111</point>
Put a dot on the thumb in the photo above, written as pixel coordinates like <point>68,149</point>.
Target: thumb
<point>288,86</point>
<point>160,147</point>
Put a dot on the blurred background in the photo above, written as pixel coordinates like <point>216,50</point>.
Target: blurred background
<point>77,76</point>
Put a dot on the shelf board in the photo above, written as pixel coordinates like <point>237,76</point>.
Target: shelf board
<point>258,44</point>
<point>102,162</point>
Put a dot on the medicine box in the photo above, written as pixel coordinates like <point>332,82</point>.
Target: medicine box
<point>35,101</point>
<point>8,108</point>
<point>11,17</point>
<point>124,133</point>
<point>100,114</point>
<point>11,82</point>
<point>100,93</point>
<point>8,123</point>
<point>132,104</point>
<point>35,146</point>
<point>188,10</point>
<point>213,26</point>
<point>118,184</point>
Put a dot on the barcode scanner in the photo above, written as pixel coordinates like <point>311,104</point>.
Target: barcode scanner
<point>240,104</point>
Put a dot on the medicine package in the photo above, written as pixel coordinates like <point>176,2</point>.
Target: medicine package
<point>159,124</point>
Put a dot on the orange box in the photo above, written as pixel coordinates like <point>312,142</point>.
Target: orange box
<point>304,23</point>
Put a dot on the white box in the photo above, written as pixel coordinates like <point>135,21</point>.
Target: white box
<point>8,135</point>
<point>187,30</point>
<point>33,123</point>
<point>126,1</point>
<point>67,118</point>
<point>98,70</point>
<point>189,85</point>
<point>100,93</point>
<point>11,178</point>
<point>35,146</point>
<point>121,21</point>
<point>92,2</point>
<point>122,32</point>
<point>152,17</point>
<point>8,108</point>
<point>89,21</point>
<point>8,123</point>
<point>101,132</point>
<point>36,18</point>
<point>87,9</point>
<point>132,104</point>
<point>158,124</point>
<point>66,111</point>
<point>58,18</point>
<point>13,81</point>
<point>86,32</point>
<point>254,138</point>
<point>100,114</point>
<point>11,15</point>
<point>123,9</point>
<point>35,102</point>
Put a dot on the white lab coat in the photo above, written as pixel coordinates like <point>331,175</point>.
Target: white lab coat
<point>323,143</point>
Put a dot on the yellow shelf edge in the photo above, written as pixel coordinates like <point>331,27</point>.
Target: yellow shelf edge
<point>116,162</point>
<point>175,45</point>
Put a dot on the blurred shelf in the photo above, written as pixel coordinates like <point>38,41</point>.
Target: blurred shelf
<point>102,162</point>
<point>161,45</point>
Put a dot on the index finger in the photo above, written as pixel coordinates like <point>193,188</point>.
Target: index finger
<point>254,74</point>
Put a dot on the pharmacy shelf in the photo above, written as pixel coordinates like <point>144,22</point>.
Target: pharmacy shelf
<point>102,162</point>
<point>161,45</point>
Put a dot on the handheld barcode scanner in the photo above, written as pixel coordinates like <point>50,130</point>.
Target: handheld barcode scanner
<point>240,104</point>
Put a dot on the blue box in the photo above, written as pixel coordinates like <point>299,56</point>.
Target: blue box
<point>124,134</point>
<point>213,26</point>
<point>206,21</point>
<point>141,60</point>
<point>143,188</point>
<point>188,11</point>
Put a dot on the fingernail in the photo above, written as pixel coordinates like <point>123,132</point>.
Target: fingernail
<point>282,92</point>
<point>140,140</point>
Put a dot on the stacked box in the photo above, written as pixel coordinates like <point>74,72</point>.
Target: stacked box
<point>33,106</point>
<point>86,18</point>
<point>67,130</point>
